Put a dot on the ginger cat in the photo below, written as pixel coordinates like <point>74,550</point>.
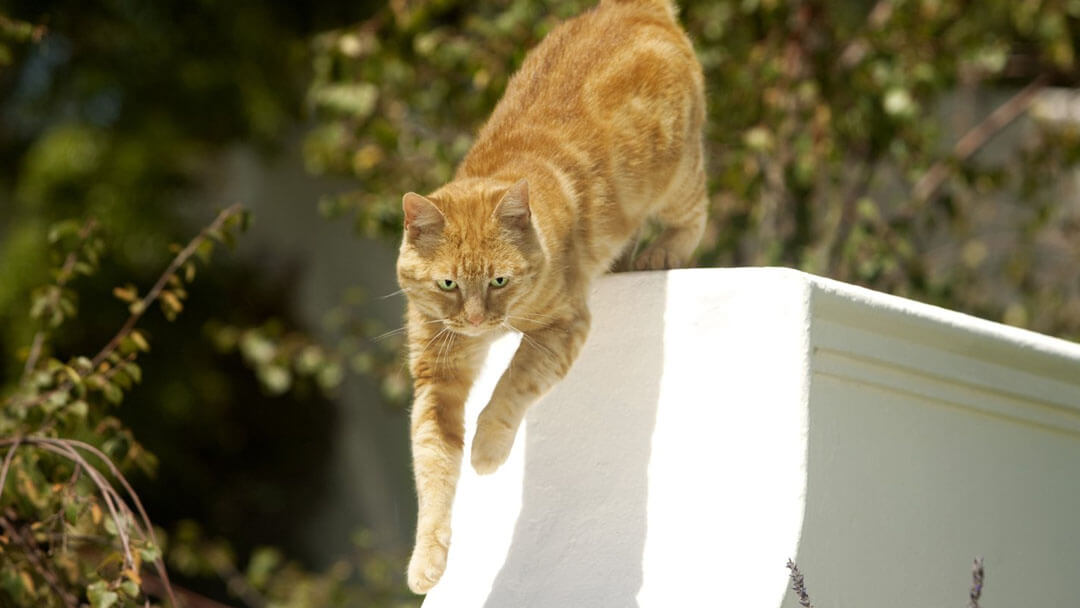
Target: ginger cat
<point>599,131</point>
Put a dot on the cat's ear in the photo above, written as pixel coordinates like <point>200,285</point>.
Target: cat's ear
<point>422,217</point>
<point>513,210</point>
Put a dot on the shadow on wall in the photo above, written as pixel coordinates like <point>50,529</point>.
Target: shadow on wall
<point>580,536</point>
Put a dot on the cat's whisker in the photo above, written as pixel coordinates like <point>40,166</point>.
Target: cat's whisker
<point>530,341</point>
<point>387,334</point>
<point>435,337</point>
<point>401,329</point>
<point>394,293</point>
<point>541,321</point>
<point>441,349</point>
<point>533,315</point>
<point>447,352</point>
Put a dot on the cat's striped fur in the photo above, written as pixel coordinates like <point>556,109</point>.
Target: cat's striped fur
<point>598,131</point>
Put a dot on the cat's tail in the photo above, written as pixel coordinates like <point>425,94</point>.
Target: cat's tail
<point>667,7</point>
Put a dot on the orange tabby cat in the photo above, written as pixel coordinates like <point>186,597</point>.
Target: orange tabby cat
<point>598,131</point>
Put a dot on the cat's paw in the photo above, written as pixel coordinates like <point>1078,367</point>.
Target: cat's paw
<point>491,446</point>
<point>428,561</point>
<point>657,258</point>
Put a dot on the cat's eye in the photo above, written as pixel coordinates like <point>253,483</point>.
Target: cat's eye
<point>499,282</point>
<point>446,284</point>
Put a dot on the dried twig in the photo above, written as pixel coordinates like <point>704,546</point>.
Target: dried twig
<point>33,553</point>
<point>976,583</point>
<point>7,462</point>
<point>798,585</point>
<point>847,216</point>
<point>977,137</point>
<point>117,507</point>
<point>155,291</point>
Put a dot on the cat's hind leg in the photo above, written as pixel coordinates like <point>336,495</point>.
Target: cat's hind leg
<point>682,216</point>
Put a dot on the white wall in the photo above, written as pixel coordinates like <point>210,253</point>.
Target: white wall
<point>719,422</point>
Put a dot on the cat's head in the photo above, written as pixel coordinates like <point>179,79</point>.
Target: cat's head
<point>469,252</point>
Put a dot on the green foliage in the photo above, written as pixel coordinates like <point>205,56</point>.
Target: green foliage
<point>828,132</point>
<point>69,532</point>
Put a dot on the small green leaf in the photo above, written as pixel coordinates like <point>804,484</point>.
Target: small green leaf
<point>205,250</point>
<point>79,409</point>
<point>171,304</point>
<point>71,512</point>
<point>100,596</point>
<point>275,378</point>
<point>128,293</point>
<point>63,229</point>
<point>83,365</point>
<point>112,393</point>
<point>140,340</point>
<point>130,589</point>
<point>72,375</point>
<point>150,553</point>
<point>261,566</point>
<point>189,272</point>
<point>256,347</point>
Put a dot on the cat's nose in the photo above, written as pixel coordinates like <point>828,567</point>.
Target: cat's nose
<point>476,318</point>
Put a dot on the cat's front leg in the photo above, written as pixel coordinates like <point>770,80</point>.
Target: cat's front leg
<point>443,377</point>
<point>542,359</point>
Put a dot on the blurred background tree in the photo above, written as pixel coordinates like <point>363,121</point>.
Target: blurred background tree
<point>920,147</point>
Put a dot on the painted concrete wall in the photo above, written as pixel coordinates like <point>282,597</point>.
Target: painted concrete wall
<point>719,422</point>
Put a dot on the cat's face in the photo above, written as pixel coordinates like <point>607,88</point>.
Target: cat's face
<point>470,251</point>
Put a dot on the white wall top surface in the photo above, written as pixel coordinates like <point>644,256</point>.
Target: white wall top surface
<point>720,421</point>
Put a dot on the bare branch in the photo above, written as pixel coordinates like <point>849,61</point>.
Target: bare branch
<point>159,565</point>
<point>7,462</point>
<point>113,501</point>
<point>34,555</point>
<point>977,137</point>
<point>847,216</point>
<point>155,291</point>
<point>35,352</point>
<point>61,448</point>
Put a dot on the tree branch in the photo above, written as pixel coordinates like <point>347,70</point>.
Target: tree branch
<point>977,137</point>
<point>35,557</point>
<point>155,291</point>
<point>847,215</point>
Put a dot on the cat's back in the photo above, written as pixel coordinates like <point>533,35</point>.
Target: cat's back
<point>624,61</point>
